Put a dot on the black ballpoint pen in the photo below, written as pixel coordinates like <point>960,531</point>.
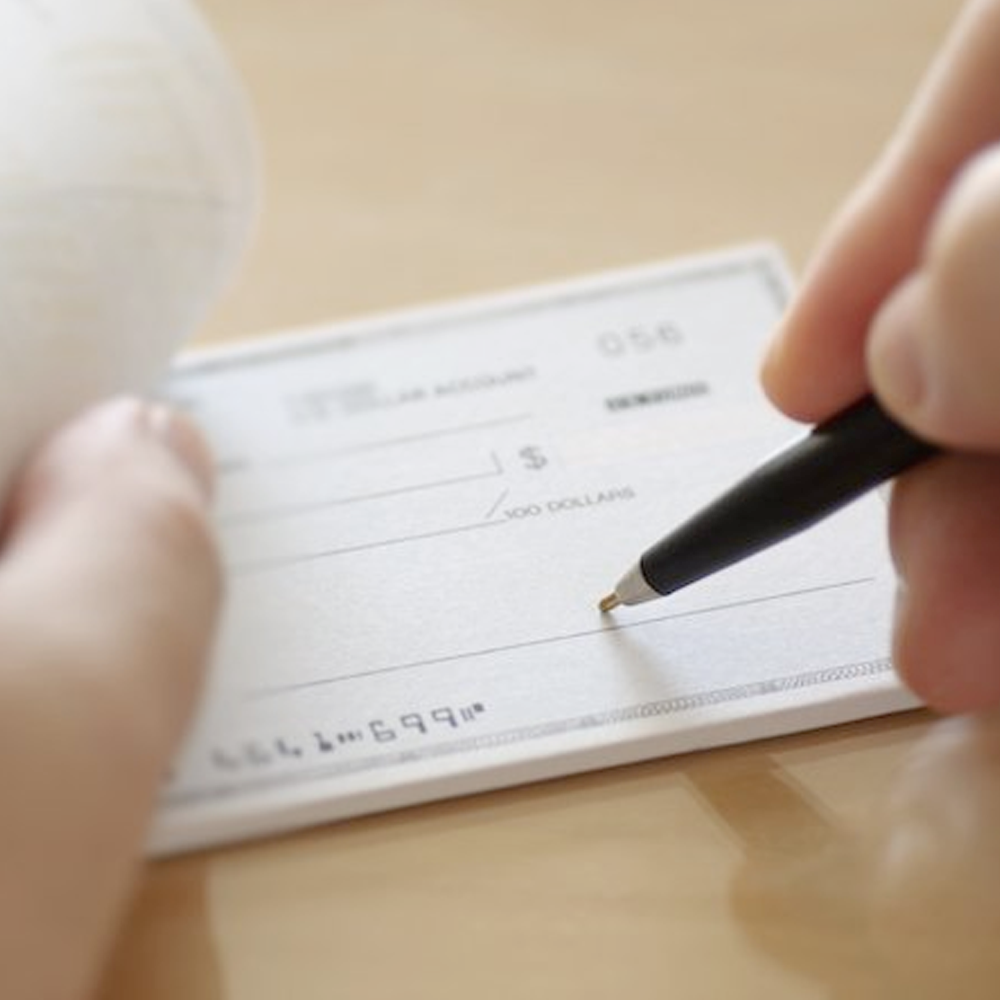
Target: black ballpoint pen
<point>833,464</point>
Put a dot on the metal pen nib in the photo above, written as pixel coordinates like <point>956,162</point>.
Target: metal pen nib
<point>609,603</point>
<point>632,588</point>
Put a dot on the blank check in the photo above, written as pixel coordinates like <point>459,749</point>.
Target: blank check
<point>419,513</point>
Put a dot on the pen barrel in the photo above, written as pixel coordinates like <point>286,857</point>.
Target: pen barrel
<point>835,463</point>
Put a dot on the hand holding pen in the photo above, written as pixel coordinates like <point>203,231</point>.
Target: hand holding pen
<point>905,296</point>
<point>902,298</point>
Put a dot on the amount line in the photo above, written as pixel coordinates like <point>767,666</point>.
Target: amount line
<point>358,449</point>
<point>251,516</point>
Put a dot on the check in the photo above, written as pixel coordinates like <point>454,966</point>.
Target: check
<point>419,514</point>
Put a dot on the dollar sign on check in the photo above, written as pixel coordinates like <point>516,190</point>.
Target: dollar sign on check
<point>533,458</point>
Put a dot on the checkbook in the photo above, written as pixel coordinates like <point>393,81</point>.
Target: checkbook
<point>419,513</point>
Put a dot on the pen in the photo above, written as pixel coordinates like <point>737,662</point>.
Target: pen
<point>833,464</point>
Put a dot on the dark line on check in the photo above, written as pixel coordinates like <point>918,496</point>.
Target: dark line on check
<point>439,432</point>
<point>551,640</point>
<point>500,499</point>
<point>292,510</point>
<point>281,562</point>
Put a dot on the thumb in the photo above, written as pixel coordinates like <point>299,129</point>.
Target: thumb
<point>934,346</point>
<point>108,562</point>
<point>109,586</point>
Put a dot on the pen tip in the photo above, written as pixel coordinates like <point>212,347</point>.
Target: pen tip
<point>609,603</point>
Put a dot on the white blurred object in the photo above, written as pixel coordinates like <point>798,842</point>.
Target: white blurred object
<point>129,178</point>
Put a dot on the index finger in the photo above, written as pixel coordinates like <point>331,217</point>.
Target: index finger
<point>816,363</point>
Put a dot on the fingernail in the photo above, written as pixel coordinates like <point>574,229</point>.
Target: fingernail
<point>184,441</point>
<point>896,362</point>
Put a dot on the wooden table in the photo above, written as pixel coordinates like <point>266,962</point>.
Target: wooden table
<point>417,151</point>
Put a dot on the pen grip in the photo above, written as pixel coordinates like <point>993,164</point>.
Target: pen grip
<point>844,457</point>
<point>835,463</point>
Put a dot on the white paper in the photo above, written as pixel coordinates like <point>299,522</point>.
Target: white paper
<point>420,513</point>
<point>128,185</point>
